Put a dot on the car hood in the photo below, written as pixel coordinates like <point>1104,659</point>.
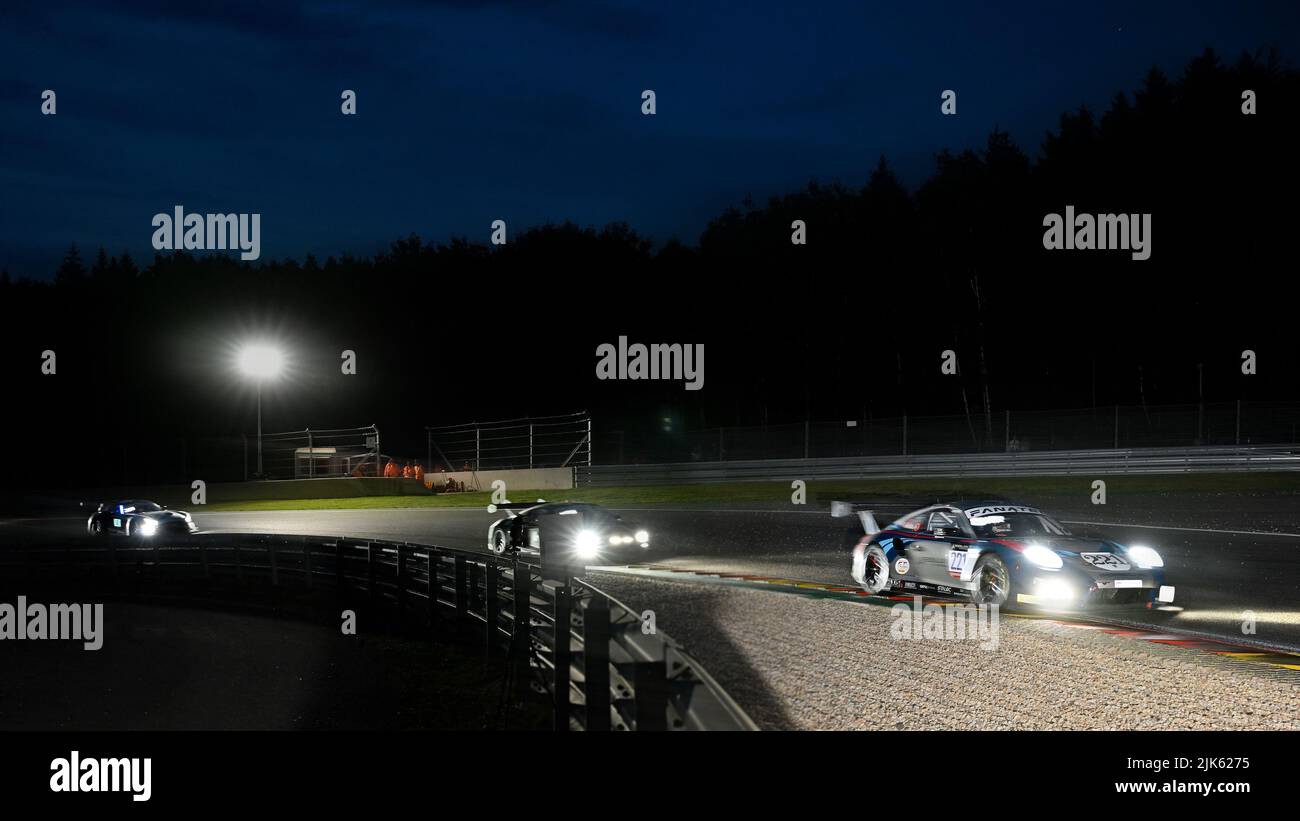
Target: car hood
<point>1065,545</point>
<point>164,515</point>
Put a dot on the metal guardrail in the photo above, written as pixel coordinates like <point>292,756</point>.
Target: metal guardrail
<point>1018,463</point>
<point>584,649</point>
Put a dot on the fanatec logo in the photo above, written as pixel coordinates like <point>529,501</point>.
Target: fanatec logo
<point>656,361</point>
<point>179,231</point>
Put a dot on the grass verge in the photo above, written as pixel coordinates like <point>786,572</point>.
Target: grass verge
<point>818,491</point>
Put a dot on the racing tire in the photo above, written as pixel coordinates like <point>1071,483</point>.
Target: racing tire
<point>871,569</point>
<point>498,545</point>
<point>992,582</point>
<point>97,530</point>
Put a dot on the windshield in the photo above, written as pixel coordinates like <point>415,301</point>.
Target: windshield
<point>138,507</point>
<point>1017,525</point>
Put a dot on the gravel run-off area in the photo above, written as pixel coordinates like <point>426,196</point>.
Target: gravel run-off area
<point>799,662</point>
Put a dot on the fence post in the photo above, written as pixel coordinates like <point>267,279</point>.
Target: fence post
<point>650,695</point>
<point>561,657</point>
<point>477,459</point>
<point>590,444</point>
<point>311,457</point>
<point>595,662</point>
<point>522,639</point>
<point>530,444</point>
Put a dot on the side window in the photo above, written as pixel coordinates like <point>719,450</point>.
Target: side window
<point>913,523</point>
<point>945,524</point>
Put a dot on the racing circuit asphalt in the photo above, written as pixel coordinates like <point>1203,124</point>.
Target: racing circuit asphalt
<point>798,661</point>
<point>1221,570</point>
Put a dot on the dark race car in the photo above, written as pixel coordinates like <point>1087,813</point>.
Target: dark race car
<point>590,533</point>
<point>1004,554</point>
<point>138,518</point>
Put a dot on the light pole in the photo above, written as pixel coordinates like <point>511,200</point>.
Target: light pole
<point>260,363</point>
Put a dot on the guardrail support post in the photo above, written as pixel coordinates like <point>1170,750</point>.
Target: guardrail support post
<point>370,571</point>
<point>522,639</point>
<point>650,695</point>
<point>561,656</point>
<point>493,606</point>
<point>401,583</point>
<point>306,561</point>
<point>338,570</point>
<point>595,662</point>
<point>434,586</point>
<point>462,592</point>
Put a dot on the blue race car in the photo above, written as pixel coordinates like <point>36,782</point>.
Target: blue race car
<point>1004,554</point>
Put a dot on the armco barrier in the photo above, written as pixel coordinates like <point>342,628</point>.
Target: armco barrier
<point>585,649</point>
<point>981,465</point>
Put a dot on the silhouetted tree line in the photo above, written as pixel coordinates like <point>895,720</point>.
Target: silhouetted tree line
<point>849,325</point>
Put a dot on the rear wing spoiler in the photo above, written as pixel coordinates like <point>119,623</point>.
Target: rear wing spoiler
<point>841,509</point>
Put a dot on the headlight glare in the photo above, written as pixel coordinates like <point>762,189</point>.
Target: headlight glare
<point>1042,557</point>
<point>1145,557</point>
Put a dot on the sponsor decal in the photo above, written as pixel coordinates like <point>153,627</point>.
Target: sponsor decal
<point>902,566</point>
<point>1105,561</point>
<point>994,510</point>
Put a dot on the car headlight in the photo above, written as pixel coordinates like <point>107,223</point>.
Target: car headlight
<point>586,544</point>
<point>642,536</point>
<point>1145,557</point>
<point>148,527</point>
<point>1041,556</point>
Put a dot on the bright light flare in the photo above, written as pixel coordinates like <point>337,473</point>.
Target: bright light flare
<point>261,362</point>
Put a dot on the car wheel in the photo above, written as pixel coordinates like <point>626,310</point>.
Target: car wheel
<point>870,568</point>
<point>499,542</point>
<point>97,529</point>
<point>992,582</point>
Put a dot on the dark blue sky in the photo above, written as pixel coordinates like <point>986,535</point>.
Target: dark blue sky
<point>528,111</point>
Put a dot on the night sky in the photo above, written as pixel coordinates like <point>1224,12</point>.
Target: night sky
<point>527,111</point>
